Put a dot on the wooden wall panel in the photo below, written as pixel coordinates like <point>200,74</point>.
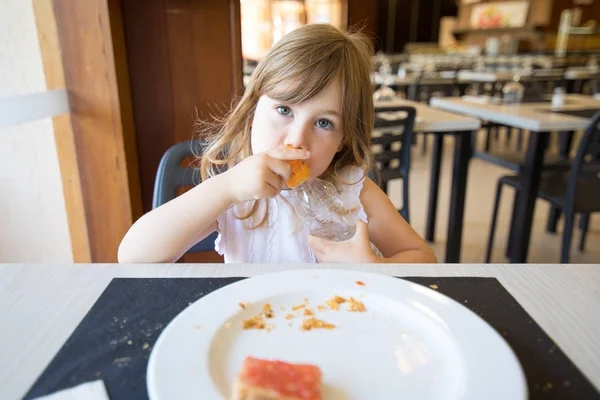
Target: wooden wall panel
<point>184,59</point>
<point>149,73</point>
<point>99,107</point>
<point>364,13</point>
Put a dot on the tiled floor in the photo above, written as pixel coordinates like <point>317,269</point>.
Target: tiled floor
<point>481,187</point>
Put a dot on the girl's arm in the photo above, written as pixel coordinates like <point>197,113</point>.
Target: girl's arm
<point>392,235</point>
<point>167,232</point>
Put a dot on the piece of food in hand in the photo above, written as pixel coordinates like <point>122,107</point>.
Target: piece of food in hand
<point>277,380</point>
<point>300,172</point>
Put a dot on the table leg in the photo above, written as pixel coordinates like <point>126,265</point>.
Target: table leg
<point>460,169</point>
<point>434,184</point>
<point>565,142</point>
<point>525,204</point>
<point>511,236</point>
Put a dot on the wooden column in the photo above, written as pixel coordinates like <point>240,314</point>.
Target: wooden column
<point>63,134</point>
<point>102,145</point>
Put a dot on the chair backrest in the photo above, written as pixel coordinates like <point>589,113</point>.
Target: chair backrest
<point>423,89</point>
<point>392,139</point>
<point>171,176</point>
<point>586,163</point>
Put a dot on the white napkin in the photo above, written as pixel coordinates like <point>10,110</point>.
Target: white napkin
<point>94,390</point>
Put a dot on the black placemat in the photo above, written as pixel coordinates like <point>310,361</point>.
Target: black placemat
<point>114,339</point>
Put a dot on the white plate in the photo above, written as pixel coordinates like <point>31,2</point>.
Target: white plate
<point>412,342</point>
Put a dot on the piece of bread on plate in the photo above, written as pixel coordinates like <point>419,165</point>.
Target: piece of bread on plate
<point>277,380</point>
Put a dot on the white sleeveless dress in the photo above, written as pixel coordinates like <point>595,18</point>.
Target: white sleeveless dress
<point>282,238</point>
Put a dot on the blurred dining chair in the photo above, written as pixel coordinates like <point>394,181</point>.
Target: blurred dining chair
<point>175,172</point>
<point>424,88</point>
<point>575,191</point>
<point>391,142</point>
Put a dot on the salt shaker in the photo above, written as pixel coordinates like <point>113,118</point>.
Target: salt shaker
<point>558,97</point>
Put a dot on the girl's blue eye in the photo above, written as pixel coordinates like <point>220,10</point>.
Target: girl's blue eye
<point>325,124</point>
<point>284,110</point>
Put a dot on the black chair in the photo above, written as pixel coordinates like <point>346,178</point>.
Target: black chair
<point>391,142</point>
<point>171,176</point>
<point>426,87</point>
<point>573,192</point>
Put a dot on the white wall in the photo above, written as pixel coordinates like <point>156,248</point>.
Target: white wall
<point>33,219</point>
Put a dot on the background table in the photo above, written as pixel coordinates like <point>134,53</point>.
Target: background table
<point>540,121</point>
<point>441,123</point>
<point>40,305</point>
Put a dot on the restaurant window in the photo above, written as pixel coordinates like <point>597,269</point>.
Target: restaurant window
<point>265,22</point>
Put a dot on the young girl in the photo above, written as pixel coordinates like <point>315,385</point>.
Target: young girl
<point>310,98</point>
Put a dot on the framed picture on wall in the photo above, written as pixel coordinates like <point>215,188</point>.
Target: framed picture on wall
<point>508,14</point>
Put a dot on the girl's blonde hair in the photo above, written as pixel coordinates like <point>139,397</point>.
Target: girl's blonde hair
<point>300,66</point>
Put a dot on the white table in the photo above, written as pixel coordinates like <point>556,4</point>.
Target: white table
<point>531,116</point>
<point>537,118</point>
<point>442,78</point>
<point>533,75</point>
<point>580,73</point>
<point>41,305</point>
<point>431,119</point>
<point>486,76</point>
<point>441,123</point>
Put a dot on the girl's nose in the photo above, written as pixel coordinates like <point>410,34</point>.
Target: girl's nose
<point>298,136</point>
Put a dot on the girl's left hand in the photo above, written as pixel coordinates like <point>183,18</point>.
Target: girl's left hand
<point>355,250</point>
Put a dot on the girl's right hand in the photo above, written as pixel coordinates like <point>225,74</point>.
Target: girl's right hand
<point>262,175</point>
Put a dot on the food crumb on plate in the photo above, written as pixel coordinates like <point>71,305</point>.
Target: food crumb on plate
<point>255,322</point>
<point>321,308</point>
<point>267,311</point>
<point>313,323</point>
<point>335,302</point>
<point>355,305</point>
<point>299,306</point>
<point>308,312</point>
<point>242,305</point>
<point>360,283</point>
<point>289,316</point>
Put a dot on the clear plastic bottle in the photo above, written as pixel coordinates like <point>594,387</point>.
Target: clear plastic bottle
<point>323,212</point>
